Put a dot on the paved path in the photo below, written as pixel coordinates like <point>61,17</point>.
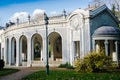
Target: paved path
<point>20,74</point>
<point>25,71</point>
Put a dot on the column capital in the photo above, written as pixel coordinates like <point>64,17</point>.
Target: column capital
<point>117,42</point>
<point>106,42</point>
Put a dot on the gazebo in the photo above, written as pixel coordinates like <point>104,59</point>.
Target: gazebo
<point>107,38</point>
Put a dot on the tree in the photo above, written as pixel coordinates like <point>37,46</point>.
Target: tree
<point>113,9</point>
<point>97,3</point>
<point>117,8</point>
<point>113,4</point>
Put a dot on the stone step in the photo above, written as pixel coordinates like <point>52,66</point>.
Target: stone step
<point>51,63</point>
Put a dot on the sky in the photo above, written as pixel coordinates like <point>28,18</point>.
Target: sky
<point>11,9</point>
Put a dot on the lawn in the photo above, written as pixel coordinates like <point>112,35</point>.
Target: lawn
<point>7,71</point>
<point>71,75</point>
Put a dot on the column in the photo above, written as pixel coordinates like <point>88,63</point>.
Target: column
<point>17,53</point>
<point>20,51</point>
<point>5,50</point>
<point>116,50</point>
<point>82,43</point>
<point>74,50</point>
<point>106,47</point>
<point>10,52</point>
<point>32,50</point>
<point>52,54</point>
<point>0,50</point>
<point>93,45</point>
<point>29,63</point>
<point>71,48</point>
<point>44,50</point>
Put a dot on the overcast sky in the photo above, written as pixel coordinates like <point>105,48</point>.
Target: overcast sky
<point>11,9</point>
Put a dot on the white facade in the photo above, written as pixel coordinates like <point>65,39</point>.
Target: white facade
<point>69,37</point>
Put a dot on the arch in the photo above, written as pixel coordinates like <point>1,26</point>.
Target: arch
<point>23,49</point>
<point>13,50</point>
<point>37,47</point>
<point>55,46</point>
<point>78,12</point>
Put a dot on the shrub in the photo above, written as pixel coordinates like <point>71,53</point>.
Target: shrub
<point>1,64</point>
<point>93,62</point>
<point>66,65</point>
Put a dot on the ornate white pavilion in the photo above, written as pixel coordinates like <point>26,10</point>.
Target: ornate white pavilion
<point>69,36</point>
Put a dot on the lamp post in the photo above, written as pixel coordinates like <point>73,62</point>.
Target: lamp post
<point>46,23</point>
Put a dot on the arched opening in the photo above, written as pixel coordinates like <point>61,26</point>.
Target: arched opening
<point>13,50</point>
<point>23,49</point>
<point>55,46</point>
<point>37,47</point>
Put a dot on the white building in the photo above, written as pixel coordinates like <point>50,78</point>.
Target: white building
<point>70,36</point>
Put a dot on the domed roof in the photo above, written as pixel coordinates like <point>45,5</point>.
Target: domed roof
<point>107,30</point>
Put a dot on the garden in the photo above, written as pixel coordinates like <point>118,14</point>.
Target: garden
<point>94,66</point>
<point>71,75</point>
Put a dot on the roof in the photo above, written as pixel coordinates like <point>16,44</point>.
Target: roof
<point>94,13</point>
<point>107,30</point>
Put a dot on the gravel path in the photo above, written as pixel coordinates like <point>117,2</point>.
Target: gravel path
<point>20,74</point>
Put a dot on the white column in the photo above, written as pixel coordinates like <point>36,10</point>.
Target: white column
<point>116,50</point>
<point>83,38</point>
<point>52,55</point>
<point>17,53</point>
<point>44,50</point>
<point>82,43</point>
<point>106,47</point>
<point>0,50</point>
<point>29,63</point>
<point>41,53</point>
<point>5,50</point>
<point>93,45</point>
<point>20,51</point>
<point>71,48</point>
<point>32,54</point>
<point>10,52</point>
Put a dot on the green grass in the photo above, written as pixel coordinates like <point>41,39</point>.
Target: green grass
<point>71,75</point>
<point>7,71</point>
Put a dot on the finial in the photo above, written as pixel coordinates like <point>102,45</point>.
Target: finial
<point>64,12</point>
<point>17,20</point>
<point>29,18</point>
